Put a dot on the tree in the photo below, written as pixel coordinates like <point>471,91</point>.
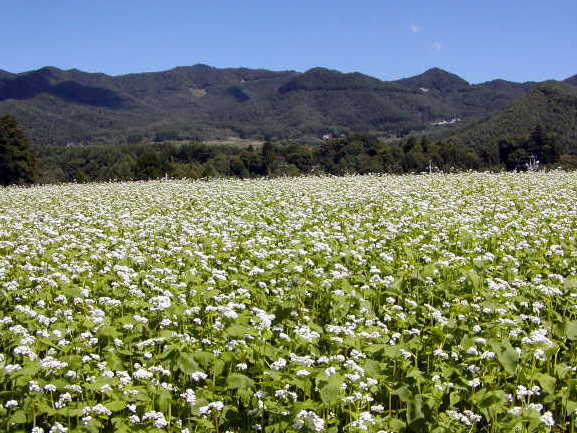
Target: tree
<point>150,165</point>
<point>17,164</point>
<point>542,146</point>
<point>268,154</point>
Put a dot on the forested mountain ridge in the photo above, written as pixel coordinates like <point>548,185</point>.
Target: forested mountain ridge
<point>200,102</point>
<point>551,105</point>
<point>572,80</point>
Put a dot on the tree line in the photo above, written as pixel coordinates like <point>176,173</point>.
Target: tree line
<point>358,153</point>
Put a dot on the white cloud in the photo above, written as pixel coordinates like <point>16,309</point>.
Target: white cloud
<point>437,46</point>
<point>415,28</point>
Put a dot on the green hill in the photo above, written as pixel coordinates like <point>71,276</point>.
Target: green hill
<point>551,104</point>
<point>572,80</point>
<point>201,102</point>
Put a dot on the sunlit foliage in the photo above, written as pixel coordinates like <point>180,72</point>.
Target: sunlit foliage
<point>441,303</point>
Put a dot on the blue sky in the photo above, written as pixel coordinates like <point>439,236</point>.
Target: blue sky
<point>480,40</point>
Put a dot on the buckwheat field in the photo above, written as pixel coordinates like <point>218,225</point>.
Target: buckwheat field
<point>443,303</point>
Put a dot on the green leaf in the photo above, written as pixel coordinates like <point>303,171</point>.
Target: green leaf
<point>186,363</point>
<point>416,374</point>
<point>506,355</point>
<point>120,426</point>
<point>375,348</point>
<point>572,389</point>
<point>164,400</point>
<point>404,394</point>
<point>18,417</point>
<point>303,384</point>
<point>238,381</point>
<point>204,358</point>
<point>474,278</point>
<point>245,395</point>
<point>330,393</point>
<point>492,398</point>
<point>236,331</point>
<point>142,395</point>
<point>372,367</point>
<point>571,406</point>
<point>218,367</point>
<point>415,411</point>
<point>115,405</point>
<point>108,331</point>
<point>454,398</point>
<point>571,330</point>
<point>71,291</point>
<point>547,382</point>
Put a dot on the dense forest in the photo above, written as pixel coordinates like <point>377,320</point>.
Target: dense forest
<point>551,104</point>
<point>357,153</point>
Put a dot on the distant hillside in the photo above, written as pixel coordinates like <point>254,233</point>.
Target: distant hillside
<point>201,102</point>
<point>572,80</point>
<point>551,104</point>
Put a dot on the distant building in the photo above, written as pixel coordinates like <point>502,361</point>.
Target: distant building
<point>446,122</point>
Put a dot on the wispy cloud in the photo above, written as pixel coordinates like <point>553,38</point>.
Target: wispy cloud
<point>415,28</point>
<point>437,46</point>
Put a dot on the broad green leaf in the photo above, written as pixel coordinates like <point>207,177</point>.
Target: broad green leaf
<point>572,389</point>
<point>507,356</point>
<point>115,405</point>
<point>18,417</point>
<point>492,398</point>
<point>203,358</point>
<point>245,395</point>
<point>120,425</point>
<point>186,363</point>
<point>108,331</point>
<point>218,367</point>
<point>404,394</point>
<point>238,381</point>
<point>571,330</point>
<point>375,348</point>
<point>547,382</point>
<point>454,398</point>
<point>71,291</point>
<point>236,331</point>
<point>416,374</point>
<point>571,406</point>
<point>330,393</point>
<point>372,367</point>
<point>475,279</point>
<point>415,411</point>
<point>164,400</point>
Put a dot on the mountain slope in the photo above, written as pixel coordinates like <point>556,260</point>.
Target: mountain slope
<point>199,102</point>
<point>572,80</point>
<point>551,104</point>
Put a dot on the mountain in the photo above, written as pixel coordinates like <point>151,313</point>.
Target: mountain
<point>551,104</point>
<point>435,79</point>
<point>572,80</point>
<point>71,86</point>
<point>57,107</point>
<point>5,75</point>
